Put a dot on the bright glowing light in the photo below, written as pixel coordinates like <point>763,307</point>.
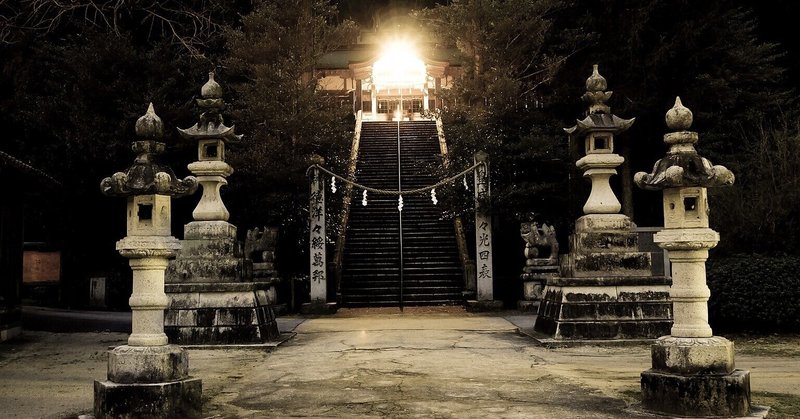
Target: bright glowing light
<point>399,67</point>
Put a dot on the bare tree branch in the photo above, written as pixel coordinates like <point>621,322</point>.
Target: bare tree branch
<point>187,25</point>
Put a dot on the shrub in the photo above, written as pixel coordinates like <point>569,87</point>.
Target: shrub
<point>754,293</point>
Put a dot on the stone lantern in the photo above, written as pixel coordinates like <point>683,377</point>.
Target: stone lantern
<point>692,371</point>
<point>213,298</point>
<point>211,169</point>
<point>600,161</point>
<point>147,377</point>
<point>606,287</point>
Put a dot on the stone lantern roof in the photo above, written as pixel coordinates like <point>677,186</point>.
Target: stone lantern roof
<point>211,124</point>
<point>600,118</point>
<point>146,176</point>
<point>682,166</point>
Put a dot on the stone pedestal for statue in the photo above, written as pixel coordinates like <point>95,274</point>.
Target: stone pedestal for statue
<point>213,299</point>
<point>148,377</point>
<point>541,263</point>
<point>606,288</point>
<point>693,372</point>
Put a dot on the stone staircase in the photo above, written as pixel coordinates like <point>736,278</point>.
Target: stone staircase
<point>432,274</point>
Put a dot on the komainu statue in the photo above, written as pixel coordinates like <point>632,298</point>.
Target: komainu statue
<point>541,246</point>
<point>541,261</point>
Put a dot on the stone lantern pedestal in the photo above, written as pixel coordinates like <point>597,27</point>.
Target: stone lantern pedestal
<point>693,372</point>
<point>148,377</point>
<point>606,288</point>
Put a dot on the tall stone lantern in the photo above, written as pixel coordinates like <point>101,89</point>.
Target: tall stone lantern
<point>606,287</point>
<point>213,297</point>
<point>692,372</point>
<point>148,377</point>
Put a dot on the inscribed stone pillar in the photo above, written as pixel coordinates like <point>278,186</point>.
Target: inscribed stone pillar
<point>483,229</point>
<point>316,242</point>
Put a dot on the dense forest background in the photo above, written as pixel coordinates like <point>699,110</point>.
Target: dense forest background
<point>76,75</point>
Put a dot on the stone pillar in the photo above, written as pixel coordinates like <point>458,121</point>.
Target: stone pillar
<point>316,241</point>
<point>606,288</point>
<point>317,248</point>
<point>483,238</point>
<point>147,377</point>
<point>692,372</point>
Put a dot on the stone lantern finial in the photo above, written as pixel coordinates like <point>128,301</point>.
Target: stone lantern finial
<point>596,94</point>
<point>149,125</point>
<point>596,82</point>
<point>212,89</point>
<point>679,118</point>
<point>211,124</point>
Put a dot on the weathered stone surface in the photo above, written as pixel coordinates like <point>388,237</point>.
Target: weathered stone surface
<point>197,230</point>
<point>147,364</point>
<point>603,222</point>
<point>591,311</point>
<point>585,264</point>
<point>714,355</point>
<point>220,317</point>
<point>705,395</point>
<point>212,287</point>
<point>596,241</point>
<point>177,399</point>
<point>635,281</point>
<point>692,370</point>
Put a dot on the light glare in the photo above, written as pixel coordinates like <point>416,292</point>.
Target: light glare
<point>399,67</point>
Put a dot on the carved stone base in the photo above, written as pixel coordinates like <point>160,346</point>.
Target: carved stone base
<point>605,245</point>
<point>209,253</point>
<point>607,308</point>
<point>220,314</point>
<point>147,364</point>
<point>177,399</point>
<point>713,355</point>
<point>705,395</point>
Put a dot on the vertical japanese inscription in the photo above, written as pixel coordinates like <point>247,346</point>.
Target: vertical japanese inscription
<point>317,259</point>
<point>483,229</point>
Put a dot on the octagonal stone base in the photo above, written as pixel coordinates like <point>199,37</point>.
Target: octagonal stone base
<point>177,399</point>
<point>703,395</point>
<point>713,355</point>
<point>147,364</point>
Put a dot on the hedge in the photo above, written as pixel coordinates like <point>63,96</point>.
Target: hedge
<point>753,293</point>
